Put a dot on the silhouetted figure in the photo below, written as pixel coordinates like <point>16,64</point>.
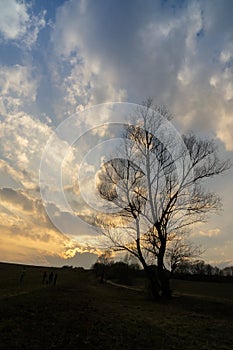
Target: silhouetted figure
<point>44,277</point>
<point>55,279</point>
<point>51,277</point>
<point>22,275</point>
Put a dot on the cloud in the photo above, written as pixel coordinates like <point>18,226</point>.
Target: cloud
<point>210,233</point>
<point>8,176</point>
<point>23,217</point>
<point>16,197</point>
<point>21,144</point>
<point>18,88</point>
<point>16,80</point>
<point>84,86</point>
<point>175,54</point>
<point>23,212</point>
<point>14,19</point>
<point>85,260</point>
<point>88,79</point>
<point>27,233</point>
<point>221,254</point>
<point>17,23</point>
<point>73,225</point>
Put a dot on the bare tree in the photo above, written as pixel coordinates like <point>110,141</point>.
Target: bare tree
<point>102,264</point>
<point>179,251</point>
<point>157,184</point>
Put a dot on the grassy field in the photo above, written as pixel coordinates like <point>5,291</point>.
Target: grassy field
<point>79,313</point>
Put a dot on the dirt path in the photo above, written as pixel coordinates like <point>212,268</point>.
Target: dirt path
<point>124,286</point>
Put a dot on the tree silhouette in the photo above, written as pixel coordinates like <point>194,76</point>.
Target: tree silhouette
<point>158,188</point>
<point>102,265</point>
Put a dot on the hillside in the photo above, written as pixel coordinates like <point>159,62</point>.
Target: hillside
<point>79,313</point>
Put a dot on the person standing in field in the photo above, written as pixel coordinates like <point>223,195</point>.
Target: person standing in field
<point>44,277</point>
<point>55,279</point>
<point>23,272</point>
<point>51,277</point>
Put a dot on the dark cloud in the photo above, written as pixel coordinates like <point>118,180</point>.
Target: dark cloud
<point>73,225</point>
<point>16,198</point>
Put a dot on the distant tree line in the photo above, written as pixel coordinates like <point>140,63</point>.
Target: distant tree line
<point>127,270</point>
<point>124,272</point>
<point>202,271</point>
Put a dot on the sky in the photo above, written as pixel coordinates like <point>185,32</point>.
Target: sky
<point>58,58</point>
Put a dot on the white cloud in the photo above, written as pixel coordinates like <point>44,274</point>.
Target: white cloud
<point>222,82</point>
<point>18,87</point>
<point>13,19</point>
<point>86,84</point>
<point>210,233</point>
<point>88,80</point>
<point>225,129</point>
<point>21,144</point>
<point>17,80</point>
<point>172,57</point>
<point>16,23</point>
<point>35,25</point>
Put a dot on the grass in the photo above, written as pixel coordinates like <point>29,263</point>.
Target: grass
<point>79,313</point>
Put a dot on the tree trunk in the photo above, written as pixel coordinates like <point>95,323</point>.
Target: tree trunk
<point>154,286</point>
<point>150,274</point>
<point>164,277</point>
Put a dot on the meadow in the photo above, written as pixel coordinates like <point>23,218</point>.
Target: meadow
<point>80,313</point>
